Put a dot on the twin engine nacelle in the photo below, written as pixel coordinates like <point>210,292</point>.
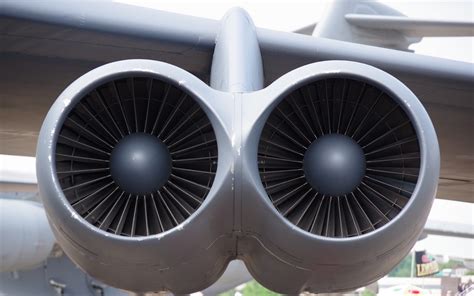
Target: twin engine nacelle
<point>154,181</point>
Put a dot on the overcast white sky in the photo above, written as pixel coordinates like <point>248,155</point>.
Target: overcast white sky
<point>291,15</point>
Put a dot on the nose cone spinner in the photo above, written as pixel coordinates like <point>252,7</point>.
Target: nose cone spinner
<point>140,163</point>
<point>334,164</point>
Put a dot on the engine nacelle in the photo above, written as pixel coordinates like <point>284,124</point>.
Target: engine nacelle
<point>340,170</point>
<point>27,240</point>
<point>320,182</point>
<point>131,165</point>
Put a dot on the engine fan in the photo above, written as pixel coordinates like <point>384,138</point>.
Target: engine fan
<point>136,156</point>
<point>340,168</point>
<point>339,157</point>
<point>127,167</point>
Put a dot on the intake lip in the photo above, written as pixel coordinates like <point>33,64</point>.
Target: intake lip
<point>136,156</point>
<point>143,248</point>
<point>339,156</point>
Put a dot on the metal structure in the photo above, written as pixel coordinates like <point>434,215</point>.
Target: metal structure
<point>304,158</point>
<point>31,233</point>
<point>138,157</point>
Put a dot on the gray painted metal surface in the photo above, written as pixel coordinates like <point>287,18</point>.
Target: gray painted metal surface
<point>182,36</point>
<point>238,219</point>
<point>237,62</point>
<point>203,242</point>
<point>220,231</point>
<point>338,26</point>
<point>56,276</point>
<point>48,40</point>
<point>417,27</point>
<point>26,239</point>
<point>449,229</point>
<point>300,261</point>
<point>373,23</point>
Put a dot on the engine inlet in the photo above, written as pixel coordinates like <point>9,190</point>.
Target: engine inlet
<point>136,156</point>
<point>339,157</point>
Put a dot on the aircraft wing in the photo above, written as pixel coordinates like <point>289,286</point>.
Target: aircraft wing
<point>45,45</point>
<point>449,229</point>
<point>413,27</point>
<point>409,27</point>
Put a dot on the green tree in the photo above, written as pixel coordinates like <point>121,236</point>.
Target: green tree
<point>366,292</point>
<point>228,293</point>
<point>255,289</point>
<point>403,269</point>
<point>451,264</point>
<point>251,289</point>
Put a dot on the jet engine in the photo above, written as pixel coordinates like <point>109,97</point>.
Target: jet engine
<point>341,167</point>
<point>320,182</point>
<point>128,165</point>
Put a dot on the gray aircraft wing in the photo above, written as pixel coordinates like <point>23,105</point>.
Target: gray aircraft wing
<point>414,27</point>
<point>45,45</point>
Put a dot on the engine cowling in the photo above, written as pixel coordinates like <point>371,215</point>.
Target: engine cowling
<point>128,167</point>
<point>341,169</point>
<point>154,181</point>
<point>27,240</point>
